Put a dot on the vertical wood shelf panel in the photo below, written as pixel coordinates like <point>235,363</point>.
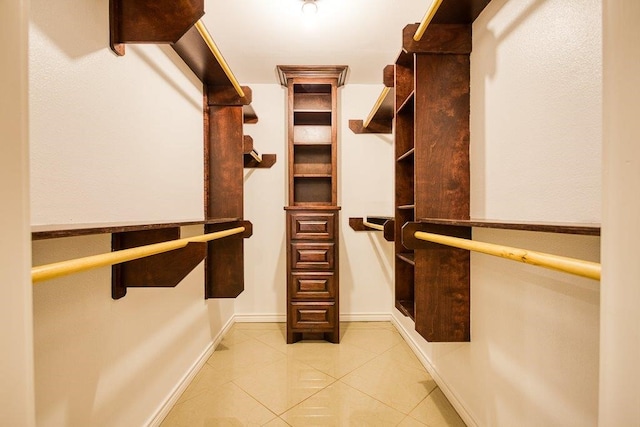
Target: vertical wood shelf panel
<point>432,176</point>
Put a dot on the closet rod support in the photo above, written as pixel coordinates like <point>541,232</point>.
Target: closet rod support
<point>204,33</point>
<point>376,106</point>
<point>77,265</point>
<point>373,226</point>
<point>428,16</point>
<point>578,267</point>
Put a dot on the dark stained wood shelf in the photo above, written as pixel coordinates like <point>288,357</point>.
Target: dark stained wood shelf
<point>381,116</point>
<point>388,222</point>
<point>407,106</point>
<point>459,12</point>
<point>406,155</point>
<point>406,307</point>
<point>408,257</point>
<point>41,232</point>
<point>589,229</point>
<point>407,207</point>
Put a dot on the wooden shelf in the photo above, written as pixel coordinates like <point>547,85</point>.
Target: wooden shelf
<point>588,229</point>
<point>388,223</point>
<point>406,307</point>
<point>41,232</point>
<point>407,207</point>
<point>226,109</point>
<point>461,12</point>
<point>408,257</point>
<point>407,106</point>
<point>407,155</point>
<point>313,273</point>
<point>380,119</point>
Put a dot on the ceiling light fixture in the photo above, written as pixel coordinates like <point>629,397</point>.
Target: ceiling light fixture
<point>309,7</point>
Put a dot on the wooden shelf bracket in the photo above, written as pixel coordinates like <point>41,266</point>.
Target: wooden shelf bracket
<point>375,223</point>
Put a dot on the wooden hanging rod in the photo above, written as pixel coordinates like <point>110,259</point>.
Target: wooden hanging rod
<point>256,156</point>
<point>578,267</point>
<point>376,106</point>
<point>216,52</point>
<point>372,225</point>
<point>64,268</point>
<point>426,19</point>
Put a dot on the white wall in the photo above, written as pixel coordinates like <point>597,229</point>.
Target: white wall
<point>16,334</point>
<point>620,318</point>
<point>105,362</point>
<point>365,176</point>
<point>102,123</point>
<point>535,156</point>
<point>112,139</point>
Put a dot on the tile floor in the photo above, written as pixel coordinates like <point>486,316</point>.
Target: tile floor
<point>372,378</point>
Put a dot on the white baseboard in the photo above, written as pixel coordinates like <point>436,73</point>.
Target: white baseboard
<point>186,379</point>
<point>366,317</point>
<point>259,318</point>
<point>442,384</point>
<point>281,318</point>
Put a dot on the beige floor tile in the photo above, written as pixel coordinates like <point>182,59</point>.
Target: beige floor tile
<point>436,411</point>
<point>400,386</point>
<point>274,338</point>
<point>276,422</point>
<point>375,340</point>
<point>232,361</point>
<point>402,354</point>
<point>334,360</point>
<point>341,405</point>
<point>207,379</point>
<point>227,406</point>
<point>234,336</point>
<point>283,384</point>
<point>410,422</point>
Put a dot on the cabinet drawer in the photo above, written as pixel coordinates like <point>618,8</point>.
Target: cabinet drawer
<point>312,256</point>
<point>312,315</point>
<point>303,285</point>
<point>313,226</point>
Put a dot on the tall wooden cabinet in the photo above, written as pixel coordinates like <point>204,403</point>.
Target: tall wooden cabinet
<point>312,211</point>
<point>432,177</point>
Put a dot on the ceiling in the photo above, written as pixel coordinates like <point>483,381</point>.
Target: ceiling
<point>256,35</point>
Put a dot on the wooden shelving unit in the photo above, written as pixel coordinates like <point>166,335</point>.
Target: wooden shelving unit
<point>387,223</point>
<point>586,229</point>
<point>313,291</point>
<point>380,119</point>
<point>226,108</point>
<point>432,176</point>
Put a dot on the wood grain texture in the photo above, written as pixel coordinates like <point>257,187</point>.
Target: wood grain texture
<point>151,21</point>
<point>439,38</point>
<point>442,136</point>
<point>224,266</point>
<point>227,95</point>
<point>225,143</point>
<point>268,160</point>
<point>56,231</point>
<point>196,54</point>
<point>459,11</point>
<point>587,229</point>
<point>388,75</point>
<point>313,273</point>
<point>382,127</point>
<point>442,294</point>
<point>161,270</point>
